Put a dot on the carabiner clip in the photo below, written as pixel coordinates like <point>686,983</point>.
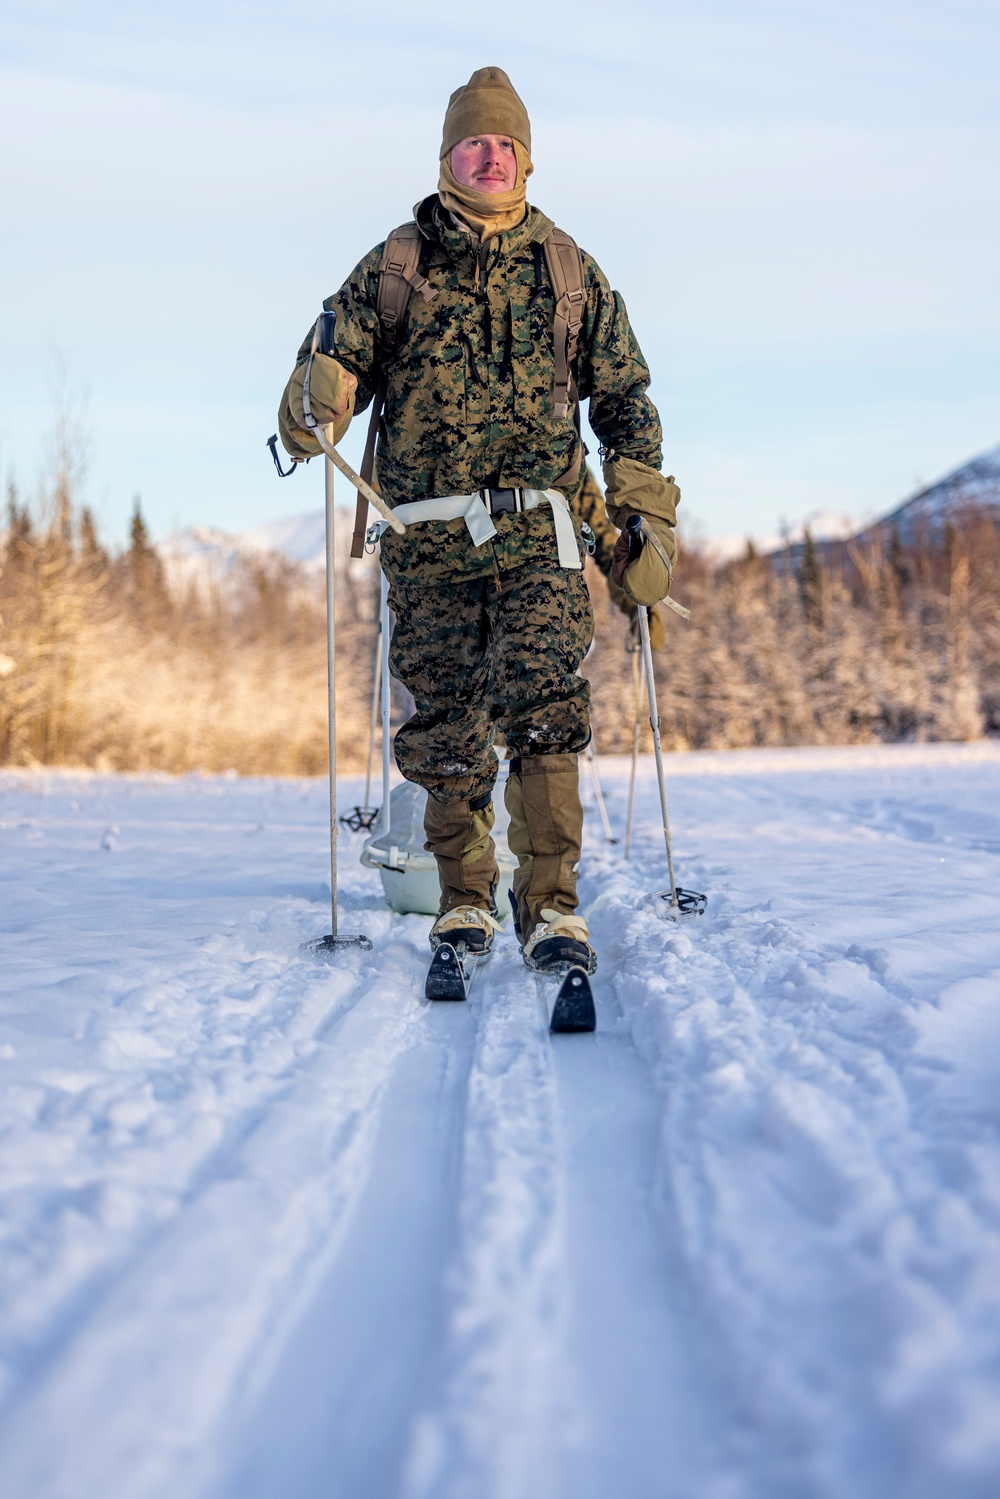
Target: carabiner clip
<point>589,539</point>
<point>372,537</point>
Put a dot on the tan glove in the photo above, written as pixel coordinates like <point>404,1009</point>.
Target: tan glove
<point>332,392</point>
<point>628,606</point>
<point>635,489</point>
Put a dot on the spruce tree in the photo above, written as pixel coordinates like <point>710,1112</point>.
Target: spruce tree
<point>811,582</point>
<point>92,555</point>
<point>144,569</point>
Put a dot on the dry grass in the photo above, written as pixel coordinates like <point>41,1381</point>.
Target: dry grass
<point>102,665</point>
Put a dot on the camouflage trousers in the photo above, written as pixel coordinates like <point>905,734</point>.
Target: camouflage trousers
<point>497,649</point>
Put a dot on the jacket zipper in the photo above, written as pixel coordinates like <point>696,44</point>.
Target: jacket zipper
<point>473,367</point>
<point>480,288</point>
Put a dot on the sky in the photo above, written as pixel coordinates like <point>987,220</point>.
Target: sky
<point>797,201</point>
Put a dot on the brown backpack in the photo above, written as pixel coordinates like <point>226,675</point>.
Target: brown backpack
<point>399,277</point>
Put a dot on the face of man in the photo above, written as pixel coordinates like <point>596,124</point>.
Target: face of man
<point>485,162</point>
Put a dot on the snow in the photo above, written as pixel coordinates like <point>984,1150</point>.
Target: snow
<point>276,1228</point>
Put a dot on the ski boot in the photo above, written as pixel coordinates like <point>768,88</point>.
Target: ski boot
<point>558,943</point>
<point>460,938</point>
<point>467,929</point>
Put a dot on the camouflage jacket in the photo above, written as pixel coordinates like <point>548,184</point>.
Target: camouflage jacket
<point>469,389</point>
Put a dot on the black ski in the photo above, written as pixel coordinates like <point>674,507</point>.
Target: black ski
<point>445,976</point>
<point>450,974</point>
<point>574,1006</point>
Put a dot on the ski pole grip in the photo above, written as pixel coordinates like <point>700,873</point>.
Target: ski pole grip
<point>327,326</point>
<point>636,540</point>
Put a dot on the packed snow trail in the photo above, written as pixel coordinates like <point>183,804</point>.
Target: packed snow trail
<point>271,1227</point>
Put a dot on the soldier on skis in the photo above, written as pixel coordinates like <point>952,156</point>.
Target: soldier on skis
<point>476,331</point>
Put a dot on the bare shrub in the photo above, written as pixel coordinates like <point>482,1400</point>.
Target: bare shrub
<point>879,642</point>
<point>103,663</point>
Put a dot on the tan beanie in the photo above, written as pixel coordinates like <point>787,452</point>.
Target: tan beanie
<point>486,105</point>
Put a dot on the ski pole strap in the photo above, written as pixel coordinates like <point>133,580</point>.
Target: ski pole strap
<point>322,340</point>
<point>283,473</point>
<point>367,471</point>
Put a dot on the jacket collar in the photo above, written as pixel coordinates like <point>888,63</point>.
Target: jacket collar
<point>435,224</point>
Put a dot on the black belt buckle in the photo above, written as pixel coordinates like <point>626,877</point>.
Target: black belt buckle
<point>503,501</point>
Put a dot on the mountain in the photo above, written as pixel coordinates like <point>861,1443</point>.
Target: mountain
<point>822,525</point>
<point>301,538</point>
<point>975,484</point>
<point>206,557</point>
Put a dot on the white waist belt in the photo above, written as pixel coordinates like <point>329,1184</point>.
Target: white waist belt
<point>472,508</point>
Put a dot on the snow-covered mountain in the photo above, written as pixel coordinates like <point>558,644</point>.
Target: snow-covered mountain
<point>975,483</point>
<point>302,538</point>
<point>204,556</point>
<point>822,525</point>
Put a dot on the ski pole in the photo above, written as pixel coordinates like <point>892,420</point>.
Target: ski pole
<point>686,902</point>
<point>364,816</point>
<point>385,821</point>
<point>595,776</point>
<point>324,947</point>
<point>654,724</point>
<point>376,693</point>
<point>637,690</point>
<point>345,468</point>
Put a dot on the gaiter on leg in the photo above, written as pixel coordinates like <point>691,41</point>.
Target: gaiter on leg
<point>458,835</point>
<point>545,834</point>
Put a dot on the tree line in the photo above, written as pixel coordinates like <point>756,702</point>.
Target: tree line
<point>104,662</point>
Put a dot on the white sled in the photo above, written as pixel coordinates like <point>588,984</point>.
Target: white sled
<point>408,872</point>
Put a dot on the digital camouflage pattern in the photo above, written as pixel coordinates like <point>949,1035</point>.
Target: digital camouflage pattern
<point>491,648</point>
<point>469,400</point>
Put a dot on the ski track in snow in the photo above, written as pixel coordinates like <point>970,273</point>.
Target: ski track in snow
<point>271,1227</point>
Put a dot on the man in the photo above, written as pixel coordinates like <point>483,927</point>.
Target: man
<point>480,453</point>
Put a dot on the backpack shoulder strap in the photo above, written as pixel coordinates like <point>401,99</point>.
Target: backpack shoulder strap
<point>565,268</point>
<point>398,278</point>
